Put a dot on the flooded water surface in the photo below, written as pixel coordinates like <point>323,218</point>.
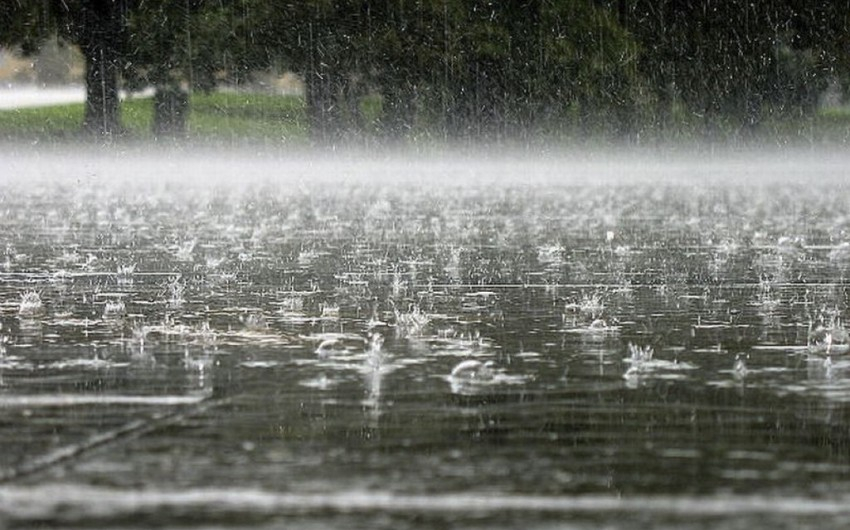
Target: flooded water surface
<point>423,344</point>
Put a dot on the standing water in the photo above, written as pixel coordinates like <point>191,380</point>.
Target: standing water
<point>263,342</point>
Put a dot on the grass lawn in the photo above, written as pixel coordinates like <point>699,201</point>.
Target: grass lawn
<point>234,118</point>
<point>217,117</point>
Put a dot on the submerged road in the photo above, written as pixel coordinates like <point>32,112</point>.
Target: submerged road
<point>30,96</point>
<point>19,97</point>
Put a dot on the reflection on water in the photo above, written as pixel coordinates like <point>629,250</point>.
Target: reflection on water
<point>479,353</point>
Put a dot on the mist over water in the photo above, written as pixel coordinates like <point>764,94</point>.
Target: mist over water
<point>203,166</point>
<point>481,337</point>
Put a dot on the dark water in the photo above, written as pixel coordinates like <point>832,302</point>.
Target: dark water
<point>278,350</point>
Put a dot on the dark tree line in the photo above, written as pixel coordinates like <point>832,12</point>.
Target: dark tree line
<point>461,68</point>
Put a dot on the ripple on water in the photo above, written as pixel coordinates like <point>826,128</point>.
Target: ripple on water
<point>320,382</point>
<point>85,363</point>
<point>75,502</point>
<point>471,377</point>
<point>259,364</point>
<point>76,400</point>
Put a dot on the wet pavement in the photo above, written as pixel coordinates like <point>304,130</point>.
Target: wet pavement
<point>262,351</point>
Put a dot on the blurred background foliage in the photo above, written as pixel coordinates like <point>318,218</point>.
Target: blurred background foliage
<point>397,70</point>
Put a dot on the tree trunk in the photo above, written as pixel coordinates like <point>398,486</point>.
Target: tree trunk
<point>102,115</point>
<point>399,112</point>
<point>322,92</point>
<point>101,41</point>
<point>171,109</point>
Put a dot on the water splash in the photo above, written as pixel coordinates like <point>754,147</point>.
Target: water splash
<point>30,304</point>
